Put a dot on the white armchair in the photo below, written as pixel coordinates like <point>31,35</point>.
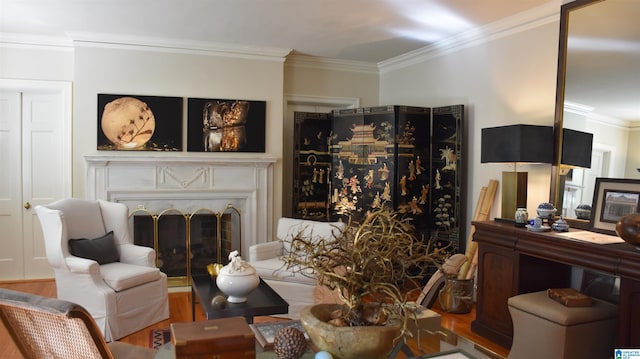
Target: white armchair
<point>116,281</point>
<point>298,290</point>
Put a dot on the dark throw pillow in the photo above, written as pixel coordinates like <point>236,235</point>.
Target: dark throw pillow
<point>102,249</point>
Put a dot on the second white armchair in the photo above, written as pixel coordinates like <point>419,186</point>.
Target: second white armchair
<point>297,289</point>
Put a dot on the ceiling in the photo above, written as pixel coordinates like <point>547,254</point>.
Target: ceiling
<point>370,31</point>
<point>359,30</point>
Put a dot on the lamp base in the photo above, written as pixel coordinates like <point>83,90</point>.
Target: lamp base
<point>514,193</point>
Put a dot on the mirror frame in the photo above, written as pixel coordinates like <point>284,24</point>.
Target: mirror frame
<point>554,195</point>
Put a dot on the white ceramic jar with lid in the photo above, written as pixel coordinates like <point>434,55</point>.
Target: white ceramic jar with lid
<point>237,279</point>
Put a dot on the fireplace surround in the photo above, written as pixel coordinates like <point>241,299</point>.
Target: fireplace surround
<point>188,183</point>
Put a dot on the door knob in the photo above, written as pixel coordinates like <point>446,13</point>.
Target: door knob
<point>27,205</point>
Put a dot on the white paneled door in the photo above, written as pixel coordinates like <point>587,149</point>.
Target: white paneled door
<point>35,168</point>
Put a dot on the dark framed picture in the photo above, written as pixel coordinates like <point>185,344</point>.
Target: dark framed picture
<point>219,125</point>
<point>143,123</point>
<point>266,332</point>
<point>613,199</point>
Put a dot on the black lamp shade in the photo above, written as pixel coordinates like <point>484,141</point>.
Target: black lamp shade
<point>576,148</point>
<point>517,143</point>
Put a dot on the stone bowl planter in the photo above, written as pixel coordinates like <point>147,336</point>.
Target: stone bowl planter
<point>356,342</point>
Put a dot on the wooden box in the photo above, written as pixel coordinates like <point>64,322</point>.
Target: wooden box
<point>426,320</point>
<point>218,338</point>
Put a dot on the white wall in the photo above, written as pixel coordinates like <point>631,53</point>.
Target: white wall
<point>504,80</point>
<point>633,155</point>
<point>605,135</point>
<point>53,63</point>
<point>139,72</point>
<point>333,81</point>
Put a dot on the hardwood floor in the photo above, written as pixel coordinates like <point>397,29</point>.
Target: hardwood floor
<point>180,311</point>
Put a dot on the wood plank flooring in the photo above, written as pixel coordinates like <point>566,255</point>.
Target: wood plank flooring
<point>180,311</point>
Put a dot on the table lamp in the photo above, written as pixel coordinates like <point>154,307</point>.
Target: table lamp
<point>576,153</point>
<point>514,144</point>
<point>576,149</point>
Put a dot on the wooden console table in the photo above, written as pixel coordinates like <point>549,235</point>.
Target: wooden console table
<point>513,260</point>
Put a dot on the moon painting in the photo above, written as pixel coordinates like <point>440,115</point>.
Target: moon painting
<point>142,123</point>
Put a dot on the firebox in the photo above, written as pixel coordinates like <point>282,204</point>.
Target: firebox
<point>185,243</point>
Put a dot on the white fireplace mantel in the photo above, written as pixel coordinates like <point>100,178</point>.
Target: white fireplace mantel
<point>187,182</point>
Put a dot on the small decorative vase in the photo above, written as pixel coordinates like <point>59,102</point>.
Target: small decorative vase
<point>560,225</point>
<point>522,217</point>
<point>237,279</point>
<point>628,228</point>
<point>583,213</point>
<point>546,210</point>
<point>371,342</point>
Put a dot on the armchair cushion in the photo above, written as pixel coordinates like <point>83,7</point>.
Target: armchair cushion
<point>102,249</point>
<point>120,276</point>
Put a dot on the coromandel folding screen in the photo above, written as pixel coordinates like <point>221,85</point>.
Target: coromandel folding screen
<point>350,162</point>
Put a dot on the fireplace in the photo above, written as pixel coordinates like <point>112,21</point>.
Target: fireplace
<point>184,204</point>
<point>186,243</point>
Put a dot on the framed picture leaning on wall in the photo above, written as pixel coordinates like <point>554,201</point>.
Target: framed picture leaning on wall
<point>613,199</point>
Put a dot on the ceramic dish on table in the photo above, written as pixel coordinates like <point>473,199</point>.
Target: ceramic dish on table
<point>538,229</point>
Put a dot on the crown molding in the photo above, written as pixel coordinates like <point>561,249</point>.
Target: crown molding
<point>324,63</point>
<point>100,40</point>
<point>347,102</point>
<point>546,13</point>
<point>29,41</point>
<point>84,39</point>
<point>587,113</point>
<point>538,16</point>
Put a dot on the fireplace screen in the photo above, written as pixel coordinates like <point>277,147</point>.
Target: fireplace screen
<point>185,243</point>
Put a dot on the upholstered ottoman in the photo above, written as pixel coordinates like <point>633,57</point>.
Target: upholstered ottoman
<point>544,328</point>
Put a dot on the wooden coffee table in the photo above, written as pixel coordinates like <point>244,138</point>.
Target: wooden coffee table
<point>262,301</point>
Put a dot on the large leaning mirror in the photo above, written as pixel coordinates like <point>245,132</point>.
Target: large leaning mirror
<point>598,92</point>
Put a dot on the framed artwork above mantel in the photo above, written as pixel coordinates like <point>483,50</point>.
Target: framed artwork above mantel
<point>224,125</point>
<point>139,123</point>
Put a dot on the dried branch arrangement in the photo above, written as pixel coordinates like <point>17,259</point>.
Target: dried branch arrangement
<point>370,266</point>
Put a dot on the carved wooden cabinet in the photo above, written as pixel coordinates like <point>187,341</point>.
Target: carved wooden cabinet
<point>350,162</point>
<point>513,261</point>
